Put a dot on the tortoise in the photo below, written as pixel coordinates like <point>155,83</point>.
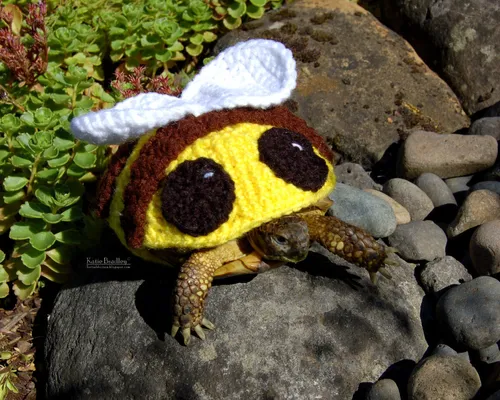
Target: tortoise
<point>218,186</point>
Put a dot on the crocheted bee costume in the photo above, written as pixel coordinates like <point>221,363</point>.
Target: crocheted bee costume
<point>206,170</point>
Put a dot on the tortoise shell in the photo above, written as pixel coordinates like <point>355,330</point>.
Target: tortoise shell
<point>202,181</point>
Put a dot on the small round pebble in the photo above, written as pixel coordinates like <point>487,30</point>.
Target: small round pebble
<point>446,155</point>
<point>437,190</point>
<point>363,210</point>
<point>492,186</point>
<point>442,273</point>
<point>384,389</point>
<point>478,208</point>
<point>445,350</point>
<point>443,378</point>
<point>354,175</point>
<point>486,126</point>
<point>489,355</point>
<point>401,213</point>
<point>470,313</point>
<point>485,248</point>
<point>459,184</point>
<point>410,196</point>
<point>419,240</point>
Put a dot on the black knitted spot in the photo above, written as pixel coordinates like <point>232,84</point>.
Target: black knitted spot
<point>197,197</point>
<point>291,157</point>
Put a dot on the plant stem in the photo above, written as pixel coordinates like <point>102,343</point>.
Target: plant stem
<point>32,176</point>
<point>11,99</point>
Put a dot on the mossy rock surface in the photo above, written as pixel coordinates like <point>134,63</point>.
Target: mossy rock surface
<point>359,85</point>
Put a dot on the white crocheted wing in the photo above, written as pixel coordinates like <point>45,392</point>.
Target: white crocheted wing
<point>258,73</point>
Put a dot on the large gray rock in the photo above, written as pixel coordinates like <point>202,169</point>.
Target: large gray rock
<point>362,99</point>
<point>470,313</point>
<point>419,240</point>
<point>492,186</point>
<point>359,208</point>
<point>437,189</point>
<point>401,213</point>
<point>410,196</point>
<point>484,248</point>
<point>284,334</point>
<point>446,155</point>
<point>486,126</point>
<point>458,38</point>
<point>439,274</point>
<point>479,207</point>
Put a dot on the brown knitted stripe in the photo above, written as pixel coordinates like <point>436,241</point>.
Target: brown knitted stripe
<point>106,185</point>
<point>168,142</point>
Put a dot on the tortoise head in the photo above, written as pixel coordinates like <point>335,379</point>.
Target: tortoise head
<point>284,239</point>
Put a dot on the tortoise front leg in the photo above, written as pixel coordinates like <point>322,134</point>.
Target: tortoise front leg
<point>351,243</point>
<point>193,282</point>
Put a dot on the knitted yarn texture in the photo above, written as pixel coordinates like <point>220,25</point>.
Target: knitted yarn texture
<point>258,73</point>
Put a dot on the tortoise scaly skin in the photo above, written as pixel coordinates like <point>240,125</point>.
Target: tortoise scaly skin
<point>351,243</point>
<point>196,192</point>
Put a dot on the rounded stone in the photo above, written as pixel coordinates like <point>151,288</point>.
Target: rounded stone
<point>437,190</point>
<point>446,155</point>
<point>470,313</point>
<point>442,273</point>
<point>363,210</point>
<point>478,208</point>
<point>484,248</point>
<point>419,240</point>
<point>459,184</point>
<point>401,213</point>
<point>384,389</point>
<point>489,355</point>
<point>410,196</point>
<point>445,350</point>
<point>486,126</point>
<point>443,378</point>
<point>492,186</point>
<point>353,174</point>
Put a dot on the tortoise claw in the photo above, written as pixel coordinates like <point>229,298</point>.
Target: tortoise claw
<point>175,329</point>
<point>391,250</point>
<point>207,324</point>
<point>199,331</point>
<point>385,273</point>
<point>186,334</point>
<point>392,263</point>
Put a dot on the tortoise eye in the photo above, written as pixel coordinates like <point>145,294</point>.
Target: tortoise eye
<point>197,197</point>
<point>292,158</point>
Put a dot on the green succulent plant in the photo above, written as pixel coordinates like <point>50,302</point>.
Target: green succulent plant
<point>64,57</point>
<point>161,34</point>
<point>42,168</point>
